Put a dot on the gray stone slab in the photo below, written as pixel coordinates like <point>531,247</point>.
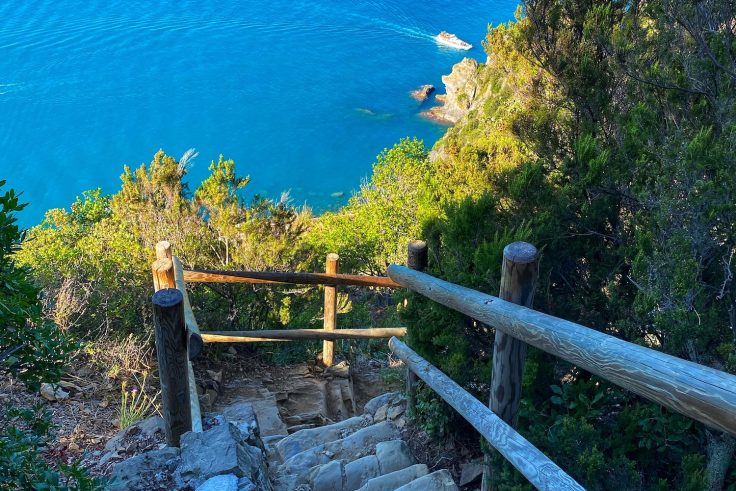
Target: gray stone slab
<point>396,479</point>
<point>226,482</point>
<point>372,406</point>
<point>360,471</point>
<point>221,450</point>
<point>328,477</point>
<point>436,481</point>
<point>305,439</point>
<point>137,473</point>
<point>363,442</point>
<point>393,456</point>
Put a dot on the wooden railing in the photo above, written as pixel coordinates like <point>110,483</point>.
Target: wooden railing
<point>179,340</point>
<point>699,392</point>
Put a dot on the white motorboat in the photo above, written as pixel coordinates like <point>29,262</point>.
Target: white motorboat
<point>451,40</point>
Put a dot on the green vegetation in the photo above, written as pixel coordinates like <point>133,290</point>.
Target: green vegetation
<point>604,138</point>
<point>135,404</point>
<point>603,132</point>
<point>33,350</point>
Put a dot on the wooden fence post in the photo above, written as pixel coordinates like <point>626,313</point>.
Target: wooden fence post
<point>163,274</point>
<point>163,267</point>
<point>416,259</point>
<point>173,362</point>
<point>163,250</point>
<point>330,323</point>
<point>519,273</point>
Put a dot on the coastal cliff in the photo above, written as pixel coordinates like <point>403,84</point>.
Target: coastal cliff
<point>487,104</point>
<point>463,88</point>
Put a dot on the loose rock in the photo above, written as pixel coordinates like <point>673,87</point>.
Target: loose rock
<point>53,392</point>
<point>469,472</point>
<point>147,471</point>
<point>227,482</point>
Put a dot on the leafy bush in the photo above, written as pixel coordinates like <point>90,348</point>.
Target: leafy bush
<point>24,459</point>
<point>34,350</point>
<point>31,348</point>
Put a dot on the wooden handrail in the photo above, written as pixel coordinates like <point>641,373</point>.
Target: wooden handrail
<point>167,274</point>
<point>289,334</point>
<point>699,392</point>
<point>173,363</point>
<point>530,461</point>
<point>278,277</point>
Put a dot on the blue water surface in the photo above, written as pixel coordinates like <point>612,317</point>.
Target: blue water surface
<point>301,94</point>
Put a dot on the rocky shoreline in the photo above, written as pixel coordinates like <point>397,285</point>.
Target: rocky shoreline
<point>462,91</point>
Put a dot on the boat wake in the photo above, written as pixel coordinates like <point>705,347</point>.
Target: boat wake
<point>403,30</point>
<point>394,27</point>
<point>8,88</point>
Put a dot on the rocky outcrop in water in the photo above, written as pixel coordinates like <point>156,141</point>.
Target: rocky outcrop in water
<point>422,93</point>
<point>462,91</point>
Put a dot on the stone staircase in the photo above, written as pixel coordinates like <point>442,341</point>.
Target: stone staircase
<point>363,453</point>
<point>278,441</point>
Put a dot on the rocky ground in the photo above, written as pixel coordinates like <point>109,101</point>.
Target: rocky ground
<point>365,452</point>
<point>285,400</point>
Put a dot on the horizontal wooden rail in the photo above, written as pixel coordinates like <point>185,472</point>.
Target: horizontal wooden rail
<point>697,391</point>
<point>530,461</point>
<point>276,277</point>
<point>289,334</point>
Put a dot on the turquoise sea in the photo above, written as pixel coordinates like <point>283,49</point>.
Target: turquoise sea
<point>301,94</point>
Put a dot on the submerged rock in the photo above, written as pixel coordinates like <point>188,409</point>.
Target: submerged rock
<point>373,114</point>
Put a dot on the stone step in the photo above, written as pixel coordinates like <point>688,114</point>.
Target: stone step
<point>396,479</point>
<point>342,475</point>
<point>362,453</point>
<point>296,469</point>
<point>266,412</point>
<point>305,439</point>
<point>436,481</point>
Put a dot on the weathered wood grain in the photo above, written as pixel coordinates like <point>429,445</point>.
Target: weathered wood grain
<point>518,280</point>
<point>702,393</point>
<point>416,258</point>
<point>193,328</point>
<point>163,274</point>
<point>291,334</point>
<point>195,346</point>
<point>173,363</point>
<point>530,461</point>
<point>330,311</point>
<point>519,270</point>
<point>163,250</point>
<point>276,277</point>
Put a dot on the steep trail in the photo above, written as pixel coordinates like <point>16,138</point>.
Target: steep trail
<point>330,429</point>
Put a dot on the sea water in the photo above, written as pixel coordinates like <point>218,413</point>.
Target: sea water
<point>301,94</point>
